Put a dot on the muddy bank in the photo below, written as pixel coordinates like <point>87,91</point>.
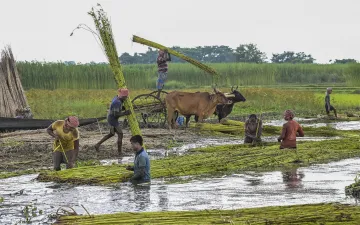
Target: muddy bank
<point>319,183</point>
<point>27,151</point>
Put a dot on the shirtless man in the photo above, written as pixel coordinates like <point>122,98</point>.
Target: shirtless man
<point>291,129</point>
<point>253,129</point>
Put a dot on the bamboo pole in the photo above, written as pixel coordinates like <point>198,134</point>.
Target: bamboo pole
<point>200,65</point>
<point>106,37</point>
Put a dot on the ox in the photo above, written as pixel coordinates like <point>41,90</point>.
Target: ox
<point>201,104</point>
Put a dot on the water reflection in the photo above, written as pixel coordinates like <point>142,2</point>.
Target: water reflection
<point>292,178</point>
<point>163,198</point>
<point>142,197</point>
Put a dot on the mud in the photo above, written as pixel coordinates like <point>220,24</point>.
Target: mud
<point>315,184</point>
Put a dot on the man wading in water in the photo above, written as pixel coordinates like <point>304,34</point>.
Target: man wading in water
<point>162,60</point>
<point>328,106</point>
<point>113,116</point>
<point>290,131</point>
<point>141,166</point>
<point>66,144</point>
<point>253,129</point>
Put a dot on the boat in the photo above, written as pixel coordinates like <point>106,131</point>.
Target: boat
<point>13,124</point>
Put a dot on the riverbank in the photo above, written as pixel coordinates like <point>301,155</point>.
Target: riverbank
<point>297,214</point>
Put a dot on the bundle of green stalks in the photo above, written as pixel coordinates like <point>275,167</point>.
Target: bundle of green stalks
<point>175,53</point>
<point>217,160</point>
<point>296,214</point>
<point>104,29</point>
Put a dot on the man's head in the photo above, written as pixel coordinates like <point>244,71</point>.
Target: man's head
<point>161,52</point>
<point>289,115</point>
<point>123,93</point>
<point>252,117</point>
<point>329,90</point>
<point>71,123</point>
<point>136,142</point>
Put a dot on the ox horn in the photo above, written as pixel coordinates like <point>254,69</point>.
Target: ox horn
<point>237,87</point>
<point>232,88</point>
<point>229,95</point>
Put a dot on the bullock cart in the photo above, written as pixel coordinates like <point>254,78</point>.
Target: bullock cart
<point>150,109</point>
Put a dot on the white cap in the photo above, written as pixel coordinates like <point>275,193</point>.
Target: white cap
<point>329,89</point>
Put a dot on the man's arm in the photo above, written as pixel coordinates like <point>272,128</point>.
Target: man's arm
<point>50,131</point>
<point>168,56</point>
<point>141,172</point>
<point>283,133</point>
<point>76,148</point>
<point>259,129</point>
<point>300,131</point>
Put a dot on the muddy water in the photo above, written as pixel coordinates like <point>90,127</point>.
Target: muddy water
<point>315,184</point>
<point>347,125</point>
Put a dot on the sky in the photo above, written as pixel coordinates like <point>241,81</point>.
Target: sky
<point>40,29</point>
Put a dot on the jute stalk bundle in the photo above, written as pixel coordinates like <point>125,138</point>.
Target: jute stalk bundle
<point>177,54</point>
<point>106,37</point>
<point>12,95</point>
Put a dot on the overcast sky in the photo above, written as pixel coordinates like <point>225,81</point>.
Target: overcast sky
<point>40,29</point>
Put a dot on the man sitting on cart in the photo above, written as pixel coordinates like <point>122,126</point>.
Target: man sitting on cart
<point>162,60</point>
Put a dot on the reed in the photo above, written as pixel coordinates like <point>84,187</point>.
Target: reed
<point>105,34</point>
<point>99,76</point>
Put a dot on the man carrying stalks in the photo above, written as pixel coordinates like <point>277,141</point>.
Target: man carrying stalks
<point>162,60</point>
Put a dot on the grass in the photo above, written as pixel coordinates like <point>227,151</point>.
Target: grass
<point>297,214</point>
<point>94,103</point>
<point>219,160</point>
<point>58,75</point>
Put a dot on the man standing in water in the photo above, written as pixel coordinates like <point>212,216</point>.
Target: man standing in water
<point>66,144</point>
<point>141,166</point>
<point>328,106</point>
<point>162,60</point>
<point>253,129</point>
<point>290,131</point>
<point>114,113</point>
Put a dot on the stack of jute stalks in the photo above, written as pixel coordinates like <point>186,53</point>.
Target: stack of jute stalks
<point>106,37</point>
<point>12,95</point>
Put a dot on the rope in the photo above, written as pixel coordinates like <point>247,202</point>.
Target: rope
<point>63,151</point>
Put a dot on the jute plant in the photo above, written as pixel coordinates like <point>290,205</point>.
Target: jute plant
<point>105,34</point>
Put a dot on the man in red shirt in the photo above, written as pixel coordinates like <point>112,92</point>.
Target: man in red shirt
<point>162,60</point>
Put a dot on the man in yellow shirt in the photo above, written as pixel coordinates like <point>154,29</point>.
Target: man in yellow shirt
<point>66,144</point>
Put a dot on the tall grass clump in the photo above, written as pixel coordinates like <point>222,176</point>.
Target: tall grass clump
<point>143,76</point>
<point>353,74</point>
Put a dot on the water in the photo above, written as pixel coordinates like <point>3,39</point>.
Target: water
<point>347,125</point>
<point>315,184</point>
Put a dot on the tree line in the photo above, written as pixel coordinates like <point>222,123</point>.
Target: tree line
<point>245,53</point>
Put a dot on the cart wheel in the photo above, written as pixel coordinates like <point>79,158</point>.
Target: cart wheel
<point>150,110</point>
<point>161,95</point>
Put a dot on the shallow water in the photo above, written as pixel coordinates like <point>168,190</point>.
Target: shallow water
<point>315,184</point>
<point>345,125</point>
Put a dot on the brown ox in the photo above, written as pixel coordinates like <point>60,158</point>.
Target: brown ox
<point>201,104</point>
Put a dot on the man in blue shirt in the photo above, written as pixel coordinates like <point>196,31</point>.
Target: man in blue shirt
<point>115,112</point>
<point>141,166</point>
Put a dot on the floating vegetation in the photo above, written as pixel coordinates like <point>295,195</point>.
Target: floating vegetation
<point>297,214</point>
<point>354,188</point>
<point>217,161</point>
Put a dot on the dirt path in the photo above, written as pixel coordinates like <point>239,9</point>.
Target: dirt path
<point>33,149</point>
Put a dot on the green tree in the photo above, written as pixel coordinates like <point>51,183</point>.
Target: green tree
<point>292,57</point>
<point>343,61</point>
<point>249,53</point>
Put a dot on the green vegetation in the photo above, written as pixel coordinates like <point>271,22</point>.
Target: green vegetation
<point>297,214</point>
<point>94,103</point>
<point>354,188</point>
<point>143,76</point>
<point>218,160</point>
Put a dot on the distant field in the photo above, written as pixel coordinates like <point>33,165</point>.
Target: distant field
<point>94,103</point>
<point>183,75</point>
